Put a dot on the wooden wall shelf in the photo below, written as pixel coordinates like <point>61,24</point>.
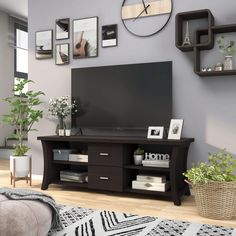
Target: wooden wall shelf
<point>197,45</point>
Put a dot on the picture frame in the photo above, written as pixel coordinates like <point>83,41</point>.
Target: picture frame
<point>85,37</point>
<point>109,36</point>
<point>175,129</point>
<point>155,132</point>
<point>44,44</point>
<point>62,29</point>
<point>62,54</point>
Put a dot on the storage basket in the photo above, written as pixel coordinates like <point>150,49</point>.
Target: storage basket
<point>216,200</point>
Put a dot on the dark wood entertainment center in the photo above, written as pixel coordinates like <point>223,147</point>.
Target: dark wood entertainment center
<point>110,163</point>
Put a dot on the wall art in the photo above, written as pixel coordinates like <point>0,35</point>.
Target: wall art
<point>109,35</point>
<point>44,44</point>
<point>85,37</point>
<point>62,54</point>
<point>62,28</point>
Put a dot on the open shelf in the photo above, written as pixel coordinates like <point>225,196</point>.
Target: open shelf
<point>70,163</point>
<point>70,183</point>
<point>151,168</point>
<point>217,73</point>
<point>198,46</point>
<point>131,190</point>
<point>193,15</point>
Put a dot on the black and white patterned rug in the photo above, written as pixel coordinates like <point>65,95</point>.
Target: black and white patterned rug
<point>89,222</point>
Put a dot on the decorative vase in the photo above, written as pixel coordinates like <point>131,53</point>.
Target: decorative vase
<point>228,63</point>
<point>60,127</point>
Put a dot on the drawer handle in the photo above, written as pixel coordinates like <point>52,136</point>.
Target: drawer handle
<point>104,154</point>
<point>103,178</point>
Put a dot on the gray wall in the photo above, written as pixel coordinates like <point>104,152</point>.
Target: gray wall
<point>207,105</point>
<point>6,71</point>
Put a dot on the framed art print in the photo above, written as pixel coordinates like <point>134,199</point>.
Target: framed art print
<point>62,28</point>
<point>85,37</point>
<point>175,129</point>
<point>43,44</point>
<point>155,132</point>
<point>109,35</point>
<point>62,54</point>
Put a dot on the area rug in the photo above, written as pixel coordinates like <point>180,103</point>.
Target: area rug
<point>89,222</point>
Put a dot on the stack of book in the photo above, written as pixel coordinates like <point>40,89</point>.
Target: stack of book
<point>156,163</point>
<point>151,183</point>
<point>72,176</point>
<point>78,157</point>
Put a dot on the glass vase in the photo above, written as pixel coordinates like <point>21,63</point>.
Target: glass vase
<point>228,63</point>
<point>60,127</point>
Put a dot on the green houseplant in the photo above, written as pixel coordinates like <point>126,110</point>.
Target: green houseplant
<point>22,116</point>
<point>138,156</point>
<point>214,186</point>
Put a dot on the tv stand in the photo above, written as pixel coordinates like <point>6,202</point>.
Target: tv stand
<point>116,170</point>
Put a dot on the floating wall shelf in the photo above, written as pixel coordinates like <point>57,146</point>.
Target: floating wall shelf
<point>197,46</point>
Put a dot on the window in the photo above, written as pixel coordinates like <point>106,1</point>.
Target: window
<point>21,52</point>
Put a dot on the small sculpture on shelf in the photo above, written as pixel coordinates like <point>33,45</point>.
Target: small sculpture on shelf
<point>187,41</point>
<point>227,48</point>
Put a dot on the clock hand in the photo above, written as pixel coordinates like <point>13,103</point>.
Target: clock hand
<point>144,6</point>
<point>145,9</point>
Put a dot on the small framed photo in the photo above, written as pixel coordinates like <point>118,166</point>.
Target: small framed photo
<point>43,44</point>
<point>175,129</point>
<point>62,28</point>
<point>155,132</point>
<point>62,54</point>
<point>109,35</point>
<point>85,37</point>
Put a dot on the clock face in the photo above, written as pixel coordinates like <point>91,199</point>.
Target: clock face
<point>145,17</point>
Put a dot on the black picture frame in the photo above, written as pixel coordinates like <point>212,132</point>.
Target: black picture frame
<point>85,37</point>
<point>44,44</point>
<point>62,54</point>
<point>109,35</point>
<point>62,29</point>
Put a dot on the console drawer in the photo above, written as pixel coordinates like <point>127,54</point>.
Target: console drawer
<point>105,178</point>
<point>105,154</point>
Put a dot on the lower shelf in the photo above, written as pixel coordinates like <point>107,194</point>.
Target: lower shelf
<point>73,184</point>
<point>131,190</point>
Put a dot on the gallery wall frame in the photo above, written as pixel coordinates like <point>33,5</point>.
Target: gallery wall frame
<point>62,29</point>
<point>44,44</point>
<point>62,54</point>
<point>109,35</point>
<point>85,37</point>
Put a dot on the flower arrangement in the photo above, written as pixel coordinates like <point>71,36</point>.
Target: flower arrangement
<point>61,107</point>
<point>227,48</point>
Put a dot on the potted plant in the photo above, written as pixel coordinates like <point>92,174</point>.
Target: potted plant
<point>22,116</point>
<point>61,108</point>
<point>138,156</point>
<point>214,186</point>
<point>227,48</point>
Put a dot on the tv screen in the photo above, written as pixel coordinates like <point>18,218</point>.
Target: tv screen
<point>132,96</point>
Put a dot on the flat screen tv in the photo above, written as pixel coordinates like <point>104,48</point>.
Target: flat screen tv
<point>122,97</point>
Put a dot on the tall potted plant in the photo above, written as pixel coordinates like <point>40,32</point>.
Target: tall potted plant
<point>22,116</point>
<point>214,186</point>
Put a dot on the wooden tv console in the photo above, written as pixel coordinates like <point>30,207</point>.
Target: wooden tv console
<point>110,163</point>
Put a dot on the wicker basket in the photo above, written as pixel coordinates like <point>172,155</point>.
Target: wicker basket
<point>216,200</point>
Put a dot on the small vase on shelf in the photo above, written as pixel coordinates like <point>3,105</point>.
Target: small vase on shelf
<point>228,63</point>
<point>60,127</point>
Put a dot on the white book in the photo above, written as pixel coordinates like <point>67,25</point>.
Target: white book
<point>73,177</point>
<point>149,178</point>
<point>150,186</point>
<point>72,180</point>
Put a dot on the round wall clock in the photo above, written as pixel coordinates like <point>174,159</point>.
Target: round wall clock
<point>145,17</point>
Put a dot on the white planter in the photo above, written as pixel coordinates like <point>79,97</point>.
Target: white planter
<point>22,167</point>
<point>138,159</point>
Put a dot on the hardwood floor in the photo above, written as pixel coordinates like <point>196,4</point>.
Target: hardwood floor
<point>117,202</point>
